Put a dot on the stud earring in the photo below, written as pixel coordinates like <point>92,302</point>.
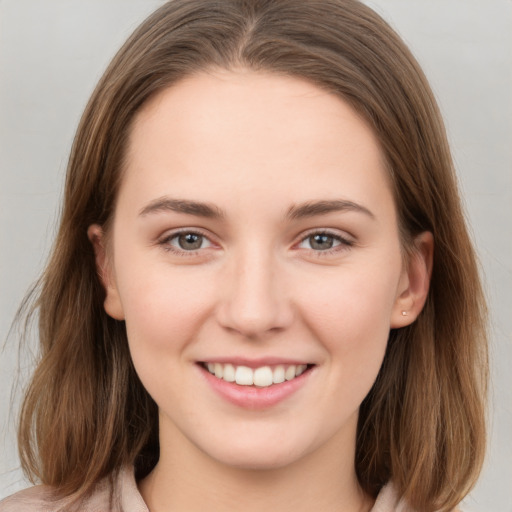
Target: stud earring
<point>404,313</point>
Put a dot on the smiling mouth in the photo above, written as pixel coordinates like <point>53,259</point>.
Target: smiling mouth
<point>262,377</point>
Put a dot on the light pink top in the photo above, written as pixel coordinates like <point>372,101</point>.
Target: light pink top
<point>124,496</point>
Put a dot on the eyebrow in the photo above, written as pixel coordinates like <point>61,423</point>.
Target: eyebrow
<point>165,204</point>
<point>295,212</point>
<point>313,208</point>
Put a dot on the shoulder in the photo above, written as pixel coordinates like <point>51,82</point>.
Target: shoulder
<point>118,493</point>
<point>43,498</point>
<point>34,499</point>
<point>389,500</point>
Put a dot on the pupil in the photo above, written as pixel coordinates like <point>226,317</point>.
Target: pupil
<point>321,242</point>
<point>190,241</point>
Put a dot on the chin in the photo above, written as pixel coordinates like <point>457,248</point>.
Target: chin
<point>264,454</point>
<point>254,461</point>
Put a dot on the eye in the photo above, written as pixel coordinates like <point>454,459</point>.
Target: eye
<point>186,241</point>
<point>324,242</point>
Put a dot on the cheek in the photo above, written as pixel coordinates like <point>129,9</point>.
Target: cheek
<point>164,307</point>
<point>350,314</point>
<point>164,311</point>
<point>353,298</point>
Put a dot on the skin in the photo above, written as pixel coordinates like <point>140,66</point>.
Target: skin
<point>253,145</point>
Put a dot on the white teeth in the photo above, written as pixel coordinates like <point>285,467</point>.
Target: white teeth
<point>218,370</point>
<point>300,369</point>
<point>244,376</point>
<point>290,372</point>
<point>262,377</point>
<point>278,375</point>
<point>229,373</point>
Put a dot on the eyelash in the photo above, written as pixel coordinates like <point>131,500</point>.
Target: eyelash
<point>344,243</point>
<point>165,242</point>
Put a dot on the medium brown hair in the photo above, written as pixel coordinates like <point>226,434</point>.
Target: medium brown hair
<point>86,414</point>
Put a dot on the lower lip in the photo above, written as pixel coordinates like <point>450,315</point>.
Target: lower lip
<point>253,397</point>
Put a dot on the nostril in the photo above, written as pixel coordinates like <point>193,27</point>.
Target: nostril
<point>254,323</point>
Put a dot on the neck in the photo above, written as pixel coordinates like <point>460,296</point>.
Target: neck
<point>187,479</point>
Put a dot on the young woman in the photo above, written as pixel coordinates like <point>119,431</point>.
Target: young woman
<point>262,293</point>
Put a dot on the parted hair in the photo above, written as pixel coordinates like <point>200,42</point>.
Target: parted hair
<point>85,412</point>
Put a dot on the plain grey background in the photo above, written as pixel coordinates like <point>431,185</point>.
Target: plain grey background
<point>52,52</point>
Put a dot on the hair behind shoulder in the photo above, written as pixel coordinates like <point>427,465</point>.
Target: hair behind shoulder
<point>86,414</point>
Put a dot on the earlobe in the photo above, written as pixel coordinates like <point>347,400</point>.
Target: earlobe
<point>415,282</point>
<point>112,304</point>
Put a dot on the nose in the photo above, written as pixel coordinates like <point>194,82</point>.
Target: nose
<point>254,300</point>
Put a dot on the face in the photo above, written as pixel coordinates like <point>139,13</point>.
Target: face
<point>255,258</point>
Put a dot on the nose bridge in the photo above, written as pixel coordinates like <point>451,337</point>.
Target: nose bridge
<point>255,300</point>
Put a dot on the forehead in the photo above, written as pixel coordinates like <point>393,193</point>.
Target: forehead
<point>282,106</point>
<point>252,132</point>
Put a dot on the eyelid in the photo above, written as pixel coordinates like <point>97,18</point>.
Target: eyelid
<point>346,240</point>
<point>164,240</point>
<point>336,233</point>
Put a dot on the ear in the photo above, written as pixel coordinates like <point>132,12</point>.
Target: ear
<point>112,303</point>
<point>415,282</point>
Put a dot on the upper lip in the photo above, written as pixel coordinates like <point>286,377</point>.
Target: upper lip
<point>256,362</point>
